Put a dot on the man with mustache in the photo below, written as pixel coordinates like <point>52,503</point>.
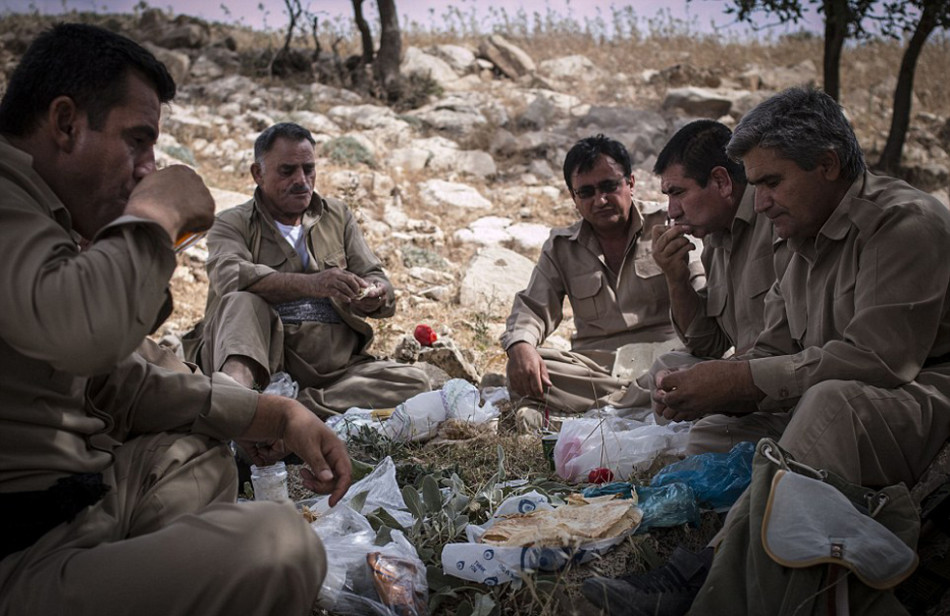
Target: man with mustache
<point>603,265</point>
<point>291,283</point>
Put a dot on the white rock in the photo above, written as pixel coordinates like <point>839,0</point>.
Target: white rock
<point>440,192</point>
<point>492,278</point>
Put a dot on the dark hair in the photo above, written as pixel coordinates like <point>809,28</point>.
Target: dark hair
<point>88,64</point>
<point>699,147</point>
<point>802,124</point>
<point>287,130</point>
<point>583,155</point>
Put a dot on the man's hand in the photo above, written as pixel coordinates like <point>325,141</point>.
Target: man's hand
<point>719,386</point>
<point>527,374</point>
<point>671,252</point>
<point>336,283</point>
<point>176,198</point>
<point>281,425</point>
<point>370,297</point>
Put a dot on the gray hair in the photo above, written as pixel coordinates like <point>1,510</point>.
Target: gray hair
<point>801,124</point>
<point>287,130</point>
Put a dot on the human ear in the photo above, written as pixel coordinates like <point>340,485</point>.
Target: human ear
<point>257,173</point>
<point>722,180</point>
<point>63,119</point>
<point>830,165</point>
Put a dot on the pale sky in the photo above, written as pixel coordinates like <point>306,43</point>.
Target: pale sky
<point>702,15</point>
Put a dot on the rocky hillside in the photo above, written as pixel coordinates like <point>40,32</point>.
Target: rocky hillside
<point>458,194</point>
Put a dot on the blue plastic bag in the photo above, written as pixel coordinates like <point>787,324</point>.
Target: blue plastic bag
<point>665,506</point>
<point>717,479</point>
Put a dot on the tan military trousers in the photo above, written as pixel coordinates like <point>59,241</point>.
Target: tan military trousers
<point>583,381</point>
<point>871,436</point>
<point>167,540</point>
<point>324,360</point>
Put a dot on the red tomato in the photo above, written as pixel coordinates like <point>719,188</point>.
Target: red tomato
<point>600,475</point>
<point>424,335</point>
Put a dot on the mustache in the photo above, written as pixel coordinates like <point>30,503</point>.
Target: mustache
<point>297,189</point>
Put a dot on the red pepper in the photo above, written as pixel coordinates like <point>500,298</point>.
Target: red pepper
<point>424,335</point>
<point>600,475</point>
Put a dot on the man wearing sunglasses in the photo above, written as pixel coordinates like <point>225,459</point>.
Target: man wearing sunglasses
<point>604,266</point>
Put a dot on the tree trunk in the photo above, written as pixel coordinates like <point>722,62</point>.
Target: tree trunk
<point>366,36</point>
<point>890,160</point>
<point>837,15</point>
<point>390,51</point>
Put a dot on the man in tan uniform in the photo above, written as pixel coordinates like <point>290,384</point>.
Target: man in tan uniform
<point>709,198</point>
<point>852,371</point>
<point>116,483</point>
<point>291,282</point>
<point>603,265</point>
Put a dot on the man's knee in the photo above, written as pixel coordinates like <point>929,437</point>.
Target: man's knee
<point>832,396</point>
<point>279,549</point>
<point>244,300</point>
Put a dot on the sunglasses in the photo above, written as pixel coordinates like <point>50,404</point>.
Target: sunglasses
<point>607,187</point>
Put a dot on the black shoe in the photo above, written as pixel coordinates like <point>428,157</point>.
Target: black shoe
<point>668,590</point>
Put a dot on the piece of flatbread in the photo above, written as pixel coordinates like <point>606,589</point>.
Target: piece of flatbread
<point>567,525</point>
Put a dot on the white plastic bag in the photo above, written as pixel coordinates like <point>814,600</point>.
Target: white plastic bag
<point>418,418</point>
<point>621,445</point>
<point>492,565</point>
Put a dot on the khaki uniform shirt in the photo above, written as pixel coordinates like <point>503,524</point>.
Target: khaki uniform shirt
<point>741,264</point>
<point>867,300</point>
<point>245,245</point>
<point>71,386</point>
<point>611,309</point>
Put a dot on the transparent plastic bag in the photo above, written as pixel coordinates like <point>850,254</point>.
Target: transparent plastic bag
<point>717,479</point>
<point>382,491</point>
<point>364,578</point>
<point>619,444</point>
<point>281,384</point>
<point>665,506</point>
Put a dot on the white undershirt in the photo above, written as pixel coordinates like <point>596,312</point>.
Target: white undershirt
<point>295,237</point>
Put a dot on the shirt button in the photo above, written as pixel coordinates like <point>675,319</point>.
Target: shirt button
<point>783,392</point>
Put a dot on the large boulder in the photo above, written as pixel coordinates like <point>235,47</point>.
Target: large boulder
<point>493,277</point>
<point>509,59</point>
<point>576,67</point>
<point>461,59</point>
<point>417,62</point>
<point>442,193</point>
<point>700,102</point>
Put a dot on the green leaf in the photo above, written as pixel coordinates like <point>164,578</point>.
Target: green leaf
<point>413,502</point>
<point>383,536</point>
<point>386,519</point>
<point>357,502</point>
<point>431,494</point>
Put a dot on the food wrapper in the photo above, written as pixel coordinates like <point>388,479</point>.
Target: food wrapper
<point>491,564</point>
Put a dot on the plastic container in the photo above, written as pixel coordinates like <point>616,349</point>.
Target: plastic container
<point>270,482</point>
